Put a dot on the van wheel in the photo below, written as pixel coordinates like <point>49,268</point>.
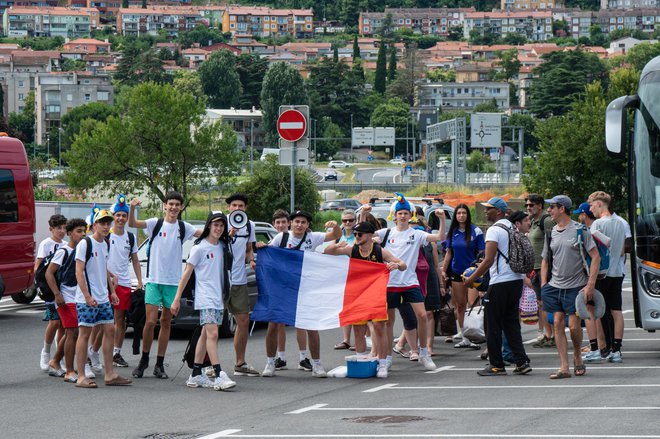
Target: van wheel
<point>26,296</point>
<point>228,325</point>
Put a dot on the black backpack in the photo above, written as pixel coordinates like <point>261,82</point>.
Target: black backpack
<point>43,290</point>
<point>285,240</point>
<point>88,254</point>
<point>131,243</point>
<point>66,274</point>
<point>189,353</point>
<point>157,227</point>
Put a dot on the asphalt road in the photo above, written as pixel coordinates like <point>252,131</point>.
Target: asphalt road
<point>610,401</point>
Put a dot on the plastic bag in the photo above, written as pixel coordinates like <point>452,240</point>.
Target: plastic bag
<point>529,308</point>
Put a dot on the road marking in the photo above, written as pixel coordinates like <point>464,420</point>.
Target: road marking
<point>529,386</point>
<point>307,409</point>
<point>440,369</point>
<point>554,352</point>
<point>30,311</point>
<point>230,433</point>
<point>612,367</point>
<point>322,407</point>
<point>379,388</point>
<point>222,433</point>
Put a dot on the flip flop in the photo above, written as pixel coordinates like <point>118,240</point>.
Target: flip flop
<point>580,370</point>
<point>342,345</point>
<point>560,375</point>
<point>71,379</point>
<point>401,351</point>
<point>119,381</point>
<point>87,385</point>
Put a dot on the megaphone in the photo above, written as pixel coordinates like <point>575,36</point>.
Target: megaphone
<point>237,219</point>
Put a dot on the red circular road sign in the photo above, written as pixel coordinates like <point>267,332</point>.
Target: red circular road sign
<point>291,125</point>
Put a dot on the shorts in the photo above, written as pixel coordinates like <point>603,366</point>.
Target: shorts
<point>210,316</point>
<point>610,288</point>
<point>68,315</point>
<point>124,295</point>
<point>559,299</point>
<point>408,317</point>
<point>456,277</point>
<point>395,299</point>
<point>238,301</point>
<point>91,316</point>
<point>159,294</point>
<point>50,313</point>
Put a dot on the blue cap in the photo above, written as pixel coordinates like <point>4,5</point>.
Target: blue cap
<point>497,203</point>
<point>561,199</point>
<point>583,208</point>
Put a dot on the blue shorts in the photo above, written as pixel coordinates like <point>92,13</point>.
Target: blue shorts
<point>50,313</point>
<point>413,295</point>
<point>559,299</point>
<point>210,316</point>
<point>94,315</point>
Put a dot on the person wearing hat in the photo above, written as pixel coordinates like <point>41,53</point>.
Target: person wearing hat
<point>303,239</point>
<point>584,215</point>
<point>93,303</point>
<point>238,301</point>
<point>563,259</point>
<point>123,252</point>
<point>503,295</point>
<point>366,249</point>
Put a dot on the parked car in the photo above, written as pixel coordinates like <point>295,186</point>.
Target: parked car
<point>330,175</point>
<point>398,161</point>
<point>188,317</point>
<point>338,164</point>
<point>341,204</point>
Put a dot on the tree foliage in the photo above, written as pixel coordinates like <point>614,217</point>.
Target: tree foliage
<point>405,83</point>
<point>201,35</point>
<point>72,121</point>
<point>251,71</point>
<point>156,141</point>
<point>21,125</point>
<point>269,189</point>
<point>138,65</point>
<point>381,69</point>
<point>282,85</point>
<point>392,113</point>
<point>220,79</point>
<point>391,66</point>
<point>641,54</point>
<point>187,81</point>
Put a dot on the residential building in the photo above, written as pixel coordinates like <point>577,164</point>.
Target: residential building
<point>56,93</point>
<point>534,25</point>
<point>642,19</point>
<point>107,8</point>
<point>222,46</point>
<point>623,45</point>
<point>474,72</point>
<point>151,20</point>
<point>246,124</point>
<point>88,45</point>
<point>263,21</point>
<point>532,5</point>
<point>20,22</point>
<point>195,56</point>
<point>462,96</point>
<point>628,4</point>
<point>423,21</point>
<point>5,4</point>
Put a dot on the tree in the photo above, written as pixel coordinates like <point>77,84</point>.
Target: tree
<point>639,55</point>
<point>484,37</point>
<point>72,120</point>
<point>187,81</point>
<point>269,189</point>
<point>596,35</point>
<point>560,28</point>
<point>201,35</point>
<point>391,68</point>
<point>21,125</point>
<point>392,113</point>
<point>381,69</point>
<point>139,64</point>
<point>349,12</point>
<point>356,49</point>
<point>514,39</point>
<point>487,107</point>
<point>220,79</point>
<point>282,85</point>
<point>328,148</point>
<point>385,28</point>
<point>73,65</point>
<point>529,125</point>
<point>156,141</point>
<point>477,161</point>
<point>561,81</point>
<point>335,54</point>
<point>405,83</point>
<point>509,63</point>
<point>440,75</point>
<point>251,70</point>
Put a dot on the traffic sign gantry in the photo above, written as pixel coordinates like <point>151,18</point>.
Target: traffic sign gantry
<point>291,125</point>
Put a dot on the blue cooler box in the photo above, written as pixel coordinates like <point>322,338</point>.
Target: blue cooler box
<point>361,367</point>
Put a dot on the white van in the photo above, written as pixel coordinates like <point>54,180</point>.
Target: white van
<point>267,151</point>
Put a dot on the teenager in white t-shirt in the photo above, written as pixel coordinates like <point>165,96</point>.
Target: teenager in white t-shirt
<point>404,243</point>
<point>163,276</point>
<point>301,238</point>
<point>57,227</point>
<point>122,254</point>
<point>65,296</point>
<point>207,260</point>
<point>93,305</point>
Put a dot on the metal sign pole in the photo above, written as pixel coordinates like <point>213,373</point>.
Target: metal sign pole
<point>293,178</point>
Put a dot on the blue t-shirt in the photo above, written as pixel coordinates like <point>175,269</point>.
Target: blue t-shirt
<point>462,256</point>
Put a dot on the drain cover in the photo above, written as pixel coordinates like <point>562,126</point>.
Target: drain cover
<point>171,436</point>
<point>385,419</point>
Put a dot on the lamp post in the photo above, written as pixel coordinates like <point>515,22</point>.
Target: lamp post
<point>59,147</point>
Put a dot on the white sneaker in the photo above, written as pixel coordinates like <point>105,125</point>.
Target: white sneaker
<point>88,372</point>
<point>45,359</point>
<point>223,382</point>
<point>615,357</point>
<point>269,370</point>
<point>95,358</point>
<point>318,371</point>
<point>368,340</point>
<point>199,381</point>
<point>209,372</point>
<point>389,364</point>
<point>427,362</point>
<point>592,357</point>
<point>459,336</point>
<point>381,372</point>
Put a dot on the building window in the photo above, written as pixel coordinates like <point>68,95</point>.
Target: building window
<point>21,83</point>
<point>69,98</point>
<point>21,97</point>
<point>102,95</point>
<point>88,97</point>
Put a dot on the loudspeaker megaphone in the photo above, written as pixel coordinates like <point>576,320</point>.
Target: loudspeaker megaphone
<point>237,219</point>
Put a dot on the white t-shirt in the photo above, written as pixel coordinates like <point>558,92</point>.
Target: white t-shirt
<point>208,262</point>
<point>119,258</point>
<point>312,240</point>
<point>239,247</point>
<point>68,292</point>
<point>501,237</point>
<point>48,247</point>
<point>165,254</point>
<point>97,271</point>
<point>626,228</point>
<point>404,245</point>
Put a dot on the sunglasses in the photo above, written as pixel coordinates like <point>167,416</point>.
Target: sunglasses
<point>530,205</point>
<point>348,220</point>
<point>358,234</point>
<point>554,206</point>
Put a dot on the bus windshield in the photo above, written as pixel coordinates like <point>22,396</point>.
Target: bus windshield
<point>647,169</point>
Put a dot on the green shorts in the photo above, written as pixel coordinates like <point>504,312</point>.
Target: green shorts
<point>239,301</point>
<point>157,294</point>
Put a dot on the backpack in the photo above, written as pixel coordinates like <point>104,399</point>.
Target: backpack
<point>521,252</point>
<point>157,227</point>
<point>66,274</point>
<point>285,240</point>
<point>43,289</point>
<point>189,353</point>
<point>387,234</point>
<point>542,221</point>
<point>603,251</point>
<point>131,243</point>
<point>88,254</point>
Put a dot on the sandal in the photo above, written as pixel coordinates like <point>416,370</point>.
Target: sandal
<point>484,355</point>
<point>414,356</point>
<point>449,339</point>
<point>71,378</point>
<point>580,370</point>
<point>401,351</point>
<point>119,381</point>
<point>560,375</point>
<point>87,384</point>
<point>342,345</point>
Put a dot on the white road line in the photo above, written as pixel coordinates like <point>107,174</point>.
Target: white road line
<point>480,409</point>
<point>307,409</point>
<point>30,311</point>
<point>530,386</point>
<point>440,369</point>
<point>379,388</point>
<point>589,367</point>
<point>222,433</point>
<point>554,352</point>
<point>229,433</point>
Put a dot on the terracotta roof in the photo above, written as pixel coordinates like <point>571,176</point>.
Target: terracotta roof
<point>88,41</point>
<point>42,10</point>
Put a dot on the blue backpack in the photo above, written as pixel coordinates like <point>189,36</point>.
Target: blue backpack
<point>603,251</point>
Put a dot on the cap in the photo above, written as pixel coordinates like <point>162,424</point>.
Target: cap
<point>364,227</point>
<point>518,215</point>
<point>103,213</point>
<point>583,208</point>
<point>302,213</point>
<point>561,199</point>
<point>120,205</point>
<point>598,305</point>
<point>239,197</point>
<point>497,203</point>
<point>216,216</point>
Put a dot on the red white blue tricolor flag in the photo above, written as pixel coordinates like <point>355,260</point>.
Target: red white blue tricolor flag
<point>310,290</point>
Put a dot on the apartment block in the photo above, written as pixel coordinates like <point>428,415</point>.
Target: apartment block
<point>18,73</point>
<point>57,93</point>
<point>87,45</point>
<point>422,21</point>
<point>264,21</point>
<point>107,8</point>
<point>532,5</point>
<point>628,4</point>
<point>246,123</point>
<point>465,96</point>
<point>149,21</point>
<point>534,25</point>
<point>20,22</point>
<point>643,19</point>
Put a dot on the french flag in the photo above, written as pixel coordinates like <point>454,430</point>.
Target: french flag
<point>310,290</point>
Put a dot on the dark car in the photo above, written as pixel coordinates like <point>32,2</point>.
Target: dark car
<point>330,175</point>
<point>341,204</point>
<point>188,317</point>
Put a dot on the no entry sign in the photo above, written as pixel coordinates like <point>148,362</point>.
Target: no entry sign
<point>291,125</point>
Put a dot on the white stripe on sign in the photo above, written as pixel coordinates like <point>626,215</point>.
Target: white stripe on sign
<point>291,125</point>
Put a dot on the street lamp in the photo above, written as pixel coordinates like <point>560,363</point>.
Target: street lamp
<point>59,147</point>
